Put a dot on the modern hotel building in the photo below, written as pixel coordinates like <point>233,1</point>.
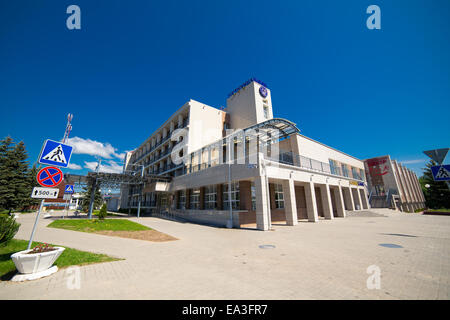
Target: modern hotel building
<point>242,167</point>
<point>392,185</point>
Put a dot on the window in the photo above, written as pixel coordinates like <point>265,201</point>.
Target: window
<point>333,167</point>
<point>355,174</point>
<point>266,111</point>
<point>211,197</point>
<point>234,196</point>
<point>253,191</point>
<point>182,199</point>
<point>344,170</point>
<point>279,196</point>
<point>195,199</point>
<point>363,176</point>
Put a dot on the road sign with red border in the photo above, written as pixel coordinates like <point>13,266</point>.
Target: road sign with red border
<point>49,177</point>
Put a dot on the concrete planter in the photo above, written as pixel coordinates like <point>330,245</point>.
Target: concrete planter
<point>37,262</point>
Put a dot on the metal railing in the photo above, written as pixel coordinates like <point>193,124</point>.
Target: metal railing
<point>284,158</point>
<point>159,157</point>
<point>308,163</point>
<point>162,141</point>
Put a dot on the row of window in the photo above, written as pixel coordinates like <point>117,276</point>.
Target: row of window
<point>210,197</point>
<point>232,197</point>
<point>342,170</point>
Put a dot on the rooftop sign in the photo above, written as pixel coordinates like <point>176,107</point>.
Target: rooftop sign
<point>246,83</point>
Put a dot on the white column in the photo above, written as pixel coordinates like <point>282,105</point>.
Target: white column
<point>352,201</point>
<point>418,189</point>
<point>230,149</point>
<point>209,156</point>
<point>199,157</point>
<point>311,204</point>
<point>326,201</point>
<point>240,147</point>
<point>365,200</point>
<point>262,205</point>
<point>290,204</point>
<point>252,146</point>
<point>422,197</point>
<point>339,197</point>
<point>359,198</point>
<point>414,187</point>
<point>244,146</point>
<point>219,145</point>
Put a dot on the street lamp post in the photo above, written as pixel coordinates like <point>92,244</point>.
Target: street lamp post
<point>230,207</point>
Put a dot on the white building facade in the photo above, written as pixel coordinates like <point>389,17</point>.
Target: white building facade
<point>392,185</point>
<point>241,167</point>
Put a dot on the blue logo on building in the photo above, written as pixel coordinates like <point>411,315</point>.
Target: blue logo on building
<point>263,91</point>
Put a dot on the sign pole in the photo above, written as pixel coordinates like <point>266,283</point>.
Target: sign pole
<point>35,224</point>
<point>67,213</point>
<point>91,203</point>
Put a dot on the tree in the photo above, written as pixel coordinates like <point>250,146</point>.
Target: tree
<point>6,197</point>
<point>103,212</point>
<point>21,186</point>
<point>13,174</point>
<point>437,196</point>
<point>8,228</point>
<point>31,183</point>
<point>87,197</point>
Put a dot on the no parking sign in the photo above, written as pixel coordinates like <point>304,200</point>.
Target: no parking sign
<point>49,177</point>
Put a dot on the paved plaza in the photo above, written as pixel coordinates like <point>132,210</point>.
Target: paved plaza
<point>324,260</point>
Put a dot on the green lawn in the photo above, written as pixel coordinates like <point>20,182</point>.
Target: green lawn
<point>69,257</point>
<point>438,210</point>
<point>93,225</point>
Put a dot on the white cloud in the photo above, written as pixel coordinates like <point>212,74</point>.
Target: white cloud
<point>74,166</point>
<point>413,161</point>
<point>111,167</point>
<point>93,148</point>
<point>120,155</point>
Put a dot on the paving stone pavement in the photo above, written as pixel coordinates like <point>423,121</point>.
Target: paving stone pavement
<point>324,260</point>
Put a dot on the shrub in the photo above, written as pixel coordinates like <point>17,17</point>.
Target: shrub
<point>8,228</point>
<point>103,212</point>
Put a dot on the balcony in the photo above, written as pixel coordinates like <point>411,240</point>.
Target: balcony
<point>167,138</point>
<point>308,163</point>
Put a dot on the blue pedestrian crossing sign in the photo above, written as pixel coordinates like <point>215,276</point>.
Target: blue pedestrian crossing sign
<point>68,188</point>
<point>441,173</point>
<point>55,153</point>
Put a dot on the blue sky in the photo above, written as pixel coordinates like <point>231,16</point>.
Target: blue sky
<point>133,63</point>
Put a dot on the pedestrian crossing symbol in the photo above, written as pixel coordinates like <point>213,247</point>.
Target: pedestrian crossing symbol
<point>441,173</point>
<point>55,153</point>
<point>68,188</point>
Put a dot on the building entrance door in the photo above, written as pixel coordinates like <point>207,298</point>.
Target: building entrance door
<point>163,202</point>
